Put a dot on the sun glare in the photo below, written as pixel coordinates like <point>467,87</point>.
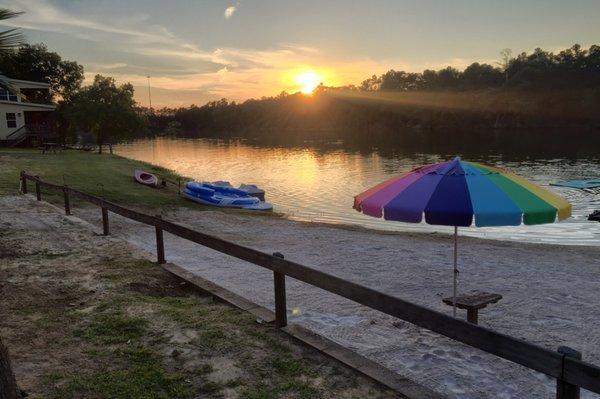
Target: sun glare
<point>308,81</point>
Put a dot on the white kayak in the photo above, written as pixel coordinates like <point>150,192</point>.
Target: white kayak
<point>250,189</point>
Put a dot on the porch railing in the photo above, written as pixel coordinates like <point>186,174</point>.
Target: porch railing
<point>17,136</point>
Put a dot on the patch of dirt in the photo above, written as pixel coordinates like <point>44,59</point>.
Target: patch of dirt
<point>87,316</point>
<point>9,248</point>
<point>225,370</point>
<point>169,287</point>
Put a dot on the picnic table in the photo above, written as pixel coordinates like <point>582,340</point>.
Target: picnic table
<point>47,147</point>
<point>473,302</point>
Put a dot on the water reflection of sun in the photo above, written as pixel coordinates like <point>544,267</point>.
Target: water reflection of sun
<point>305,167</point>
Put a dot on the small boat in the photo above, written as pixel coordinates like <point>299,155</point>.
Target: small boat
<point>145,178</point>
<point>583,184</point>
<point>594,216</point>
<point>223,196</point>
<point>250,189</point>
<point>254,191</point>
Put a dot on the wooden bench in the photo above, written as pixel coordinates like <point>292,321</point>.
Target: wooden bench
<point>473,302</point>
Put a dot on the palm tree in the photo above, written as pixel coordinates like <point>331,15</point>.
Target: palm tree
<point>9,39</point>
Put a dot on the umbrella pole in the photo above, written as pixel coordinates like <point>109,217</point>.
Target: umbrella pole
<point>455,270</point>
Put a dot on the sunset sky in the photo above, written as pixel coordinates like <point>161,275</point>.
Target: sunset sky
<point>197,51</point>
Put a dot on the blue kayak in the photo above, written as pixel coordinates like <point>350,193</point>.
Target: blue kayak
<point>222,196</point>
<point>592,183</point>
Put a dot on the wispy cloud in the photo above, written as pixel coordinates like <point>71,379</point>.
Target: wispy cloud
<point>40,15</point>
<point>114,65</point>
<point>229,11</point>
<point>130,48</point>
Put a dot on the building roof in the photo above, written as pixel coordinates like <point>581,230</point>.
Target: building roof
<point>29,106</point>
<point>27,84</point>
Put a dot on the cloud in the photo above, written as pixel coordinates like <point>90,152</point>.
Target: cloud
<point>40,15</point>
<point>114,65</point>
<point>229,11</point>
<point>130,48</point>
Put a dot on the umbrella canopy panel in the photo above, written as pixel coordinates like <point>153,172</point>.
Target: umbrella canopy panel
<point>456,192</point>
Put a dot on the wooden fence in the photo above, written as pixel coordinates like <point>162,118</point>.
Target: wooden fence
<point>565,365</point>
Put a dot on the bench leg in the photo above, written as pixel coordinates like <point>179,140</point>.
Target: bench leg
<point>472,316</point>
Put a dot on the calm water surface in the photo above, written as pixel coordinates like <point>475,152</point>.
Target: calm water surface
<point>318,184</point>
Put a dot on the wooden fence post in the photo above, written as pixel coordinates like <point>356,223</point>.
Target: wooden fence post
<point>160,244</point>
<point>564,390</point>
<point>67,200</point>
<point>105,227</point>
<point>38,191</point>
<point>280,305</point>
<point>23,182</point>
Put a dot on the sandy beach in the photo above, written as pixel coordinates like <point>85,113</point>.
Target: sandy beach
<point>550,293</point>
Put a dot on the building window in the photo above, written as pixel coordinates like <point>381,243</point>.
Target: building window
<point>5,95</point>
<point>11,120</point>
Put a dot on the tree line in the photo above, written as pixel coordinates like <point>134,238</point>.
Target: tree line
<point>537,90</point>
<point>103,109</point>
<point>571,68</point>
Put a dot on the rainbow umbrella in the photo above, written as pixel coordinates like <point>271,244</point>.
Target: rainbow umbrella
<point>456,192</point>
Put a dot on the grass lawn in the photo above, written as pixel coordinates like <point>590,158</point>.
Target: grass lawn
<point>85,316</point>
<point>105,175</point>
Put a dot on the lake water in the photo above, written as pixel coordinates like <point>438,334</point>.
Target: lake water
<point>318,183</point>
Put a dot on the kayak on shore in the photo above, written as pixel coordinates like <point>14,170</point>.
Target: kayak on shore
<point>582,184</point>
<point>223,196</point>
<point>145,178</point>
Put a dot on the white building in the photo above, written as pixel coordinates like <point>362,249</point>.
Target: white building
<point>27,113</point>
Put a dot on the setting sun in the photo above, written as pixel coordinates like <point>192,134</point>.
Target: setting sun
<point>308,81</point>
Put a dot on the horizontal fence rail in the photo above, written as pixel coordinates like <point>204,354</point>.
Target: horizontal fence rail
<point>570,372</point>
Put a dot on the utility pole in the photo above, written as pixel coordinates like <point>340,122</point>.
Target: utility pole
<point>149,94</point>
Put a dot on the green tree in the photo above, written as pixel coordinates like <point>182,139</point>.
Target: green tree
<point>35,62</point>
<point>8,40</point>
<point>481,75</point>
<point>106,110</point>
